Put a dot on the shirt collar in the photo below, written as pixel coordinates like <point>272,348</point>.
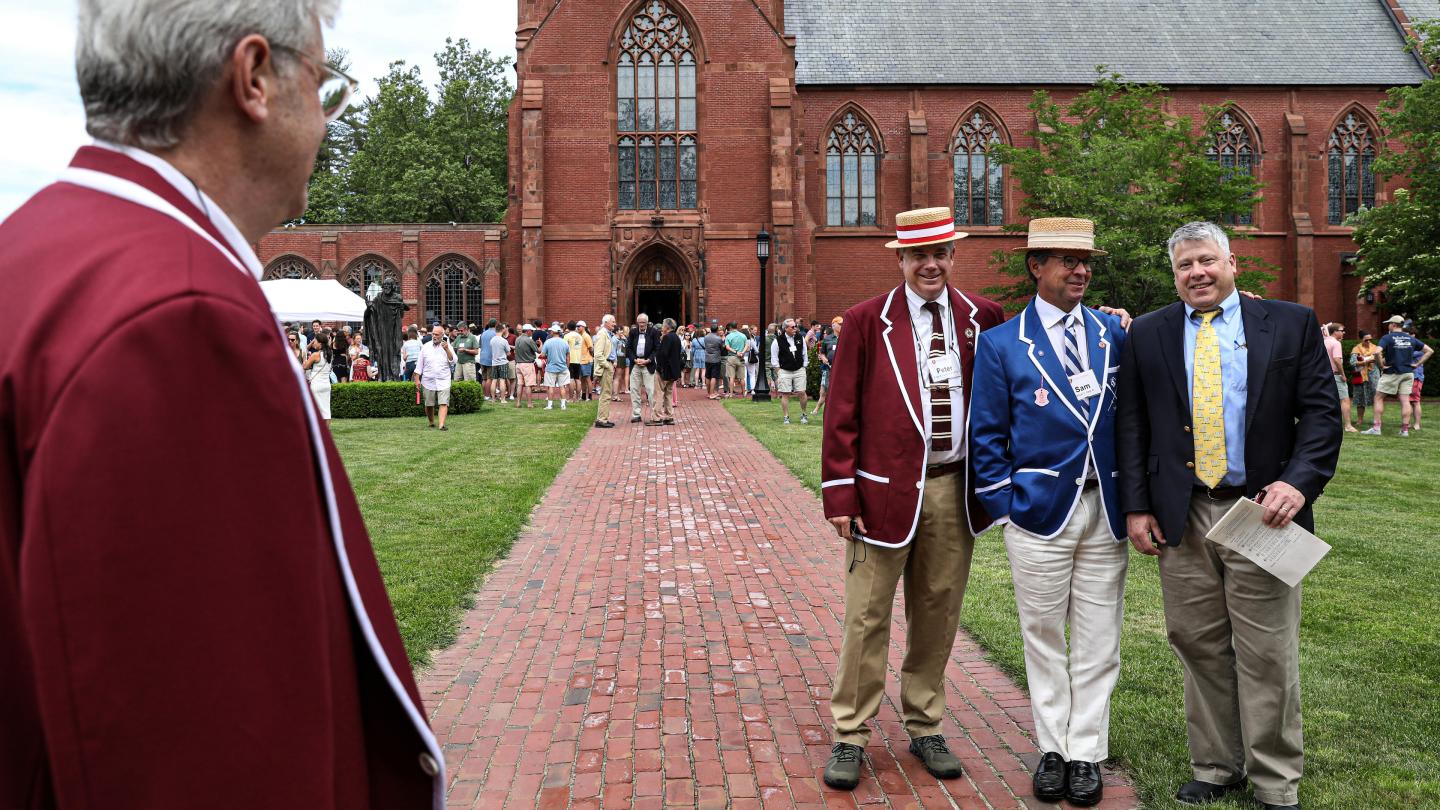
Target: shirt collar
<point>190,191</point>
<point>1051,314</point>
<point>1227,307</point>
<point>917,304</point>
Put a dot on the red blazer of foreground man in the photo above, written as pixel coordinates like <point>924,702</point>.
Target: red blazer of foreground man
<point>191,614</point>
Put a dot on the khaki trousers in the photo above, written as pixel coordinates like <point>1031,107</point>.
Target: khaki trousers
<point>936,565</point>
<point>1236,630</point>
<point>642,383</point>
<point>1078,578</point>
<point>663,406</point>
<point>604,389</point>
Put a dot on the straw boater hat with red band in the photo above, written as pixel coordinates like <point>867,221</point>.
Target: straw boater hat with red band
<point>1061,233</point>
<point>924,226</point>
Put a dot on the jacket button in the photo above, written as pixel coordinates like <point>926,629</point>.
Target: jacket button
<point>920,484</point>
<point>1079,481</point>
<point>1187,428</point>
<point>429,765</point>
<point>1190,465</point>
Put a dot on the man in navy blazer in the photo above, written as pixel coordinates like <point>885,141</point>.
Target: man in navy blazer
<point>1042,439</point>
<point>1224,397</point>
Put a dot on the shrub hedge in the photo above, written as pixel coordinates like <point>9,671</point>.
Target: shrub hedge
<point>377,400</point>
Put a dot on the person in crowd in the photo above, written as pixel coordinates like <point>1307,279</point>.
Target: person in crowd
<point>294,341</point>
<point>482,359</point>
<point>432,377</point>
<point>668,362</point>
<point>467,353</point>
<point>587,359</point>
<point>1334,333</point>
<point>789,358</point>
<point>1397,373</point>
<point>339,359</point>
<point>510,338</point>
<point>187,574</point>
<point>714,345</point>
<point>825,352</point>
<point>697,359</point>
<point>500,363</point>
<point>622,364</point>
<point>360,369</point>
<point>317,371</point>
<point>752,359</point>
<point>734,360</point>
<point>353,349</point>
<point>1064,534</point>
<point>410,351</point>
<point>314,331</point>
<point>606,351</point>
<point>1365,360</point>
<point>644,341</point>
<point>576,344</point>
<point>525,353</point>
<point>894,487</point>
<point>1418,361</point>
<point>1224,397</point>
<point>557,367</point>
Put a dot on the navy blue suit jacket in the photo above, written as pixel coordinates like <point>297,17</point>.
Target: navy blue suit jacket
<point>1029,435</point>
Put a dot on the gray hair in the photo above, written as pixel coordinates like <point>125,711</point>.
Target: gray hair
<point>607,319</point>
<point>144,66</point>
<point>1198,232</point>
<point>642,316</point>
<point>669,323</point>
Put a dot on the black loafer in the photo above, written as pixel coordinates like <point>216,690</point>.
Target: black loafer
<point>634,419</point>
<point>603,424</point>
<point>843,770</point>
<point>1049,780</point>
<point>1197,792</point>
<point>1084,786</point>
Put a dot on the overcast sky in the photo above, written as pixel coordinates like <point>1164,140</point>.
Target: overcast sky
<point>44,122</point>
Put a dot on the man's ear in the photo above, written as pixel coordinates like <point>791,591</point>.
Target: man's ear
<point>252,77</point>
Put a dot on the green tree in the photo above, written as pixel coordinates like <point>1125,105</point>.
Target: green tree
<point>1400,241</point>
<point>405,155</point>
<point>1113,155</point>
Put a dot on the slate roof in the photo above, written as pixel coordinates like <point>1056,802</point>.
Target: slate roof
<point>1421,9</point>
<point>1173,42</point>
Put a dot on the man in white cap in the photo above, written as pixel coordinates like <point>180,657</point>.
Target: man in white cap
<point>899,492</point>
<point>1042,444</point>
<point>1397,376</point>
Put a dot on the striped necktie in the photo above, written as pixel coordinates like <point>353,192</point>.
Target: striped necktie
<point>1207,404</point>
<point>939,389</point>
<point>1071,357</point>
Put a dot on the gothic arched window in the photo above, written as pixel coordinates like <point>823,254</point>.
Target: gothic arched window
<point>453,292</point>
<point>368,270</point>
<point>1351,176</point>
<point>979,180</point>
<point>655,112</point>
<point>290,267</point>
<point>851,163</point>
<point>1234,150</point>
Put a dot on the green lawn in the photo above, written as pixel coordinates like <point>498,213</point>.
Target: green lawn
<point>1370,636</point>
<point>443,507</point>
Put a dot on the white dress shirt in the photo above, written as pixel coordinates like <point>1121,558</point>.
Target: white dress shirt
<point>920,331</point>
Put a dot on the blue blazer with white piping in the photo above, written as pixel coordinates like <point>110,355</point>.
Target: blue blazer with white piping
<point>1027,448</point>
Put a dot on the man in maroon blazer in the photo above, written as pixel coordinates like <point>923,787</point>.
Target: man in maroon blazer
<point>896,485</point>
<point>191,614</point>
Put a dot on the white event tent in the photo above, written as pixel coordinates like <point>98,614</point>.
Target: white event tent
<point>304,299</point>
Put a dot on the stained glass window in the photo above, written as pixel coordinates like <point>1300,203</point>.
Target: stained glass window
<point>1351,172</point>
<point>655,100</point>
<point>979,180</point>
<point>453,293</point>
<point>851,173</point>
<point>367,271</point>
<point>1234,151</point>
<point>290,267</point>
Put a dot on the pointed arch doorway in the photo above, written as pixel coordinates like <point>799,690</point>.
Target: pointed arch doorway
<point>660,286</point>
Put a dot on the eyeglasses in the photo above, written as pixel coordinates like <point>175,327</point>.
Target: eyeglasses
<point>336,86</point>
<point>1069,262</point>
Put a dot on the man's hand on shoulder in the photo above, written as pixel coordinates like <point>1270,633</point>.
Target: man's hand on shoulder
<point>1119,312</point>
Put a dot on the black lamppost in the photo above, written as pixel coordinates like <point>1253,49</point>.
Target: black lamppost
<point>762,384</point>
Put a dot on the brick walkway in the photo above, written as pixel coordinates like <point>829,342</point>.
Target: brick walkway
<point>665,632</point>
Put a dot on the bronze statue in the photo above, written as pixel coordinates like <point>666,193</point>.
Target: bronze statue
<point>383,331</point>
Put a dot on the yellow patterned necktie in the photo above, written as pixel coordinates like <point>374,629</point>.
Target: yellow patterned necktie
<point>1207,404</point>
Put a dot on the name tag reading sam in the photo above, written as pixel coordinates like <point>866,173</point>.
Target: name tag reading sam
<point>945,367</point>
<point>1085,385</point>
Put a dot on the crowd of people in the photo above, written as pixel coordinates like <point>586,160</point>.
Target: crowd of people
<point>572,362</point>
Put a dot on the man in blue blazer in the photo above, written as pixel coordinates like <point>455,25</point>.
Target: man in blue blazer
<point>1223,397</point>
<point>1042,439</point>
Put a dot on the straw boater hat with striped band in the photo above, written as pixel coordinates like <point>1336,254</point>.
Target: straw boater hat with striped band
<point>924,226</point>
<point>1061,233</point>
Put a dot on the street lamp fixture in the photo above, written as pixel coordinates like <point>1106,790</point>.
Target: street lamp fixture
<point>762,383</point>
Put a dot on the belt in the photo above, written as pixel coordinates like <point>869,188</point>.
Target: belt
<point>937,470</point>
<point>1221,493</point>
<point>1091,483</point>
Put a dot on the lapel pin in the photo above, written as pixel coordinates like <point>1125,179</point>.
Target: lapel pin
<point>1103,344</point>
<point>969,333</point>
<point>1042,397</point>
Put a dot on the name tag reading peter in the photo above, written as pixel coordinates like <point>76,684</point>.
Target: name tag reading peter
<point>945,367</point>
<point>1085,385</point>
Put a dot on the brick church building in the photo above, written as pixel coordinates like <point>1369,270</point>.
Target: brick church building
<point>651,140</point>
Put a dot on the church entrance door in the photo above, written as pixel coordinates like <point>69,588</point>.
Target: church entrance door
<point>658,288</point>
<point>659,304</point>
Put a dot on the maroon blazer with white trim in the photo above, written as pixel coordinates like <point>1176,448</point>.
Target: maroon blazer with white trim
<point>874,448</point>
<point>175,629</point>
